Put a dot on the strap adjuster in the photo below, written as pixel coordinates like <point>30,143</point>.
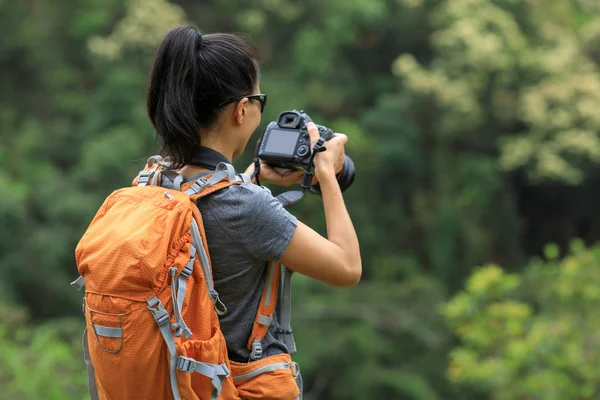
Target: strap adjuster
<point>186,364</point>
<point>189,267</point>
<point>187,271</point>
<point>199,184</point>
<point>257,350</point>
<point>144,177</point>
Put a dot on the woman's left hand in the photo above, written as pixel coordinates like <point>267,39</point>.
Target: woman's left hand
<point>277,176</point>
<point>288,177</point>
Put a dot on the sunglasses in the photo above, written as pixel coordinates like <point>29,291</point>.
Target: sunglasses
<point>262,99</point>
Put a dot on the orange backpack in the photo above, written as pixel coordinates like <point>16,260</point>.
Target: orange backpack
<point>151,310</point>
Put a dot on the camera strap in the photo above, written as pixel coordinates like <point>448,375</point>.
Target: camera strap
<point>256,161</point>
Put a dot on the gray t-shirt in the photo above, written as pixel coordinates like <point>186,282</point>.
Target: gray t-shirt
<point>245,228</point>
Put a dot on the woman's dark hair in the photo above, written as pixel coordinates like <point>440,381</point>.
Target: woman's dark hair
<point>192,76</point>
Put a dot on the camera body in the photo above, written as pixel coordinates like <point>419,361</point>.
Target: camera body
<point>286,143</point>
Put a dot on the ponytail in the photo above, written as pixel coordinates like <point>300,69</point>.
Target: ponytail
<point>191,77</point>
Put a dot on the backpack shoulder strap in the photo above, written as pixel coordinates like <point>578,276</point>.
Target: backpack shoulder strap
<point>284,310</point>
<point>223,177</point>
<point>265,312</point>
<point>150,173</point>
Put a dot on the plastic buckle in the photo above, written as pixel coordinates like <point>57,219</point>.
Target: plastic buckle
<point>256,352</point>
<point>161,316</point>
<point>186,364</point>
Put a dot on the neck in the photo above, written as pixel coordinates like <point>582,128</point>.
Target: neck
<point>214,144</point>
<point>219,140</point>
<point>228,153</point>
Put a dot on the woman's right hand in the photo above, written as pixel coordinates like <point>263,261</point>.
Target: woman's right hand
<point>331,160</point>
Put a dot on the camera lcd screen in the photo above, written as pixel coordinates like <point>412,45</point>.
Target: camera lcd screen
<point>282,142</point>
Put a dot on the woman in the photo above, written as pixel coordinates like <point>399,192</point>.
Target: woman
<point>204,91</point>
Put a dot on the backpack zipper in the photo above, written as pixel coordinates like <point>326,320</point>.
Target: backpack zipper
<point>262,370</point>
<point>169,195</point>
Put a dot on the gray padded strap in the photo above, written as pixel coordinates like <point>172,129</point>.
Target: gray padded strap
<point>204,262</point>
<point>178,289</point>
<point>284,315</point>
<point>93,389</point>
<point>154,159</point>
<point>202,183</point>
<point>176,178</point>
<point>177,182</point>
<point>298,379</point>
<point>155,178</point>
<point>226,167</point>
<point>290,197</point>
<point>245,178</point>
<point>215,372</point>
<point>220,308</point>
<point>222,171</point>
<point>182,278</point>
<point>108,331</point>
<point>78,283</point>
<point>161,316</point>
<point>269,295</point>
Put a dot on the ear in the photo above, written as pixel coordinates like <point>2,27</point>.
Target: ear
<point>240,111</point>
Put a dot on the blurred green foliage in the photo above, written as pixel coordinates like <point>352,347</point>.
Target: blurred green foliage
<point>531,335</point>
<point>474,128</point>
<point>39,362</point>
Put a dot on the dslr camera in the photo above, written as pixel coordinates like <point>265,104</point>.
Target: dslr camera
<point>285,143</point>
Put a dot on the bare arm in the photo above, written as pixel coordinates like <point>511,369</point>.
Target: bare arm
<point>335,259</point>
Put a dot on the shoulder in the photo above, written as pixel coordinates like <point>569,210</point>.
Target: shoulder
<point>246,196</point>
<point>252,189</point>
<point>247,201</point>
<point>258,201</point>
<point>254,193</point>
<point>252,217</point>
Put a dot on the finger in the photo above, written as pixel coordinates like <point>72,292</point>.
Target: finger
<point>284,171</point>
<point>341,137</point>
<point>296,176</point>
<point>266,168</point>
<point>293,178</point>
<point>313,133</point>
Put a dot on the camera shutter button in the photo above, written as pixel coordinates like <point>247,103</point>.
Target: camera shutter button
<point>302,150</point>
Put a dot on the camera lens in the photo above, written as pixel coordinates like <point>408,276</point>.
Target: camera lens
<point>344,180</point>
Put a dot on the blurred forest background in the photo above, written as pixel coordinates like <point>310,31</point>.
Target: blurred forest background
<point>474,126</point>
